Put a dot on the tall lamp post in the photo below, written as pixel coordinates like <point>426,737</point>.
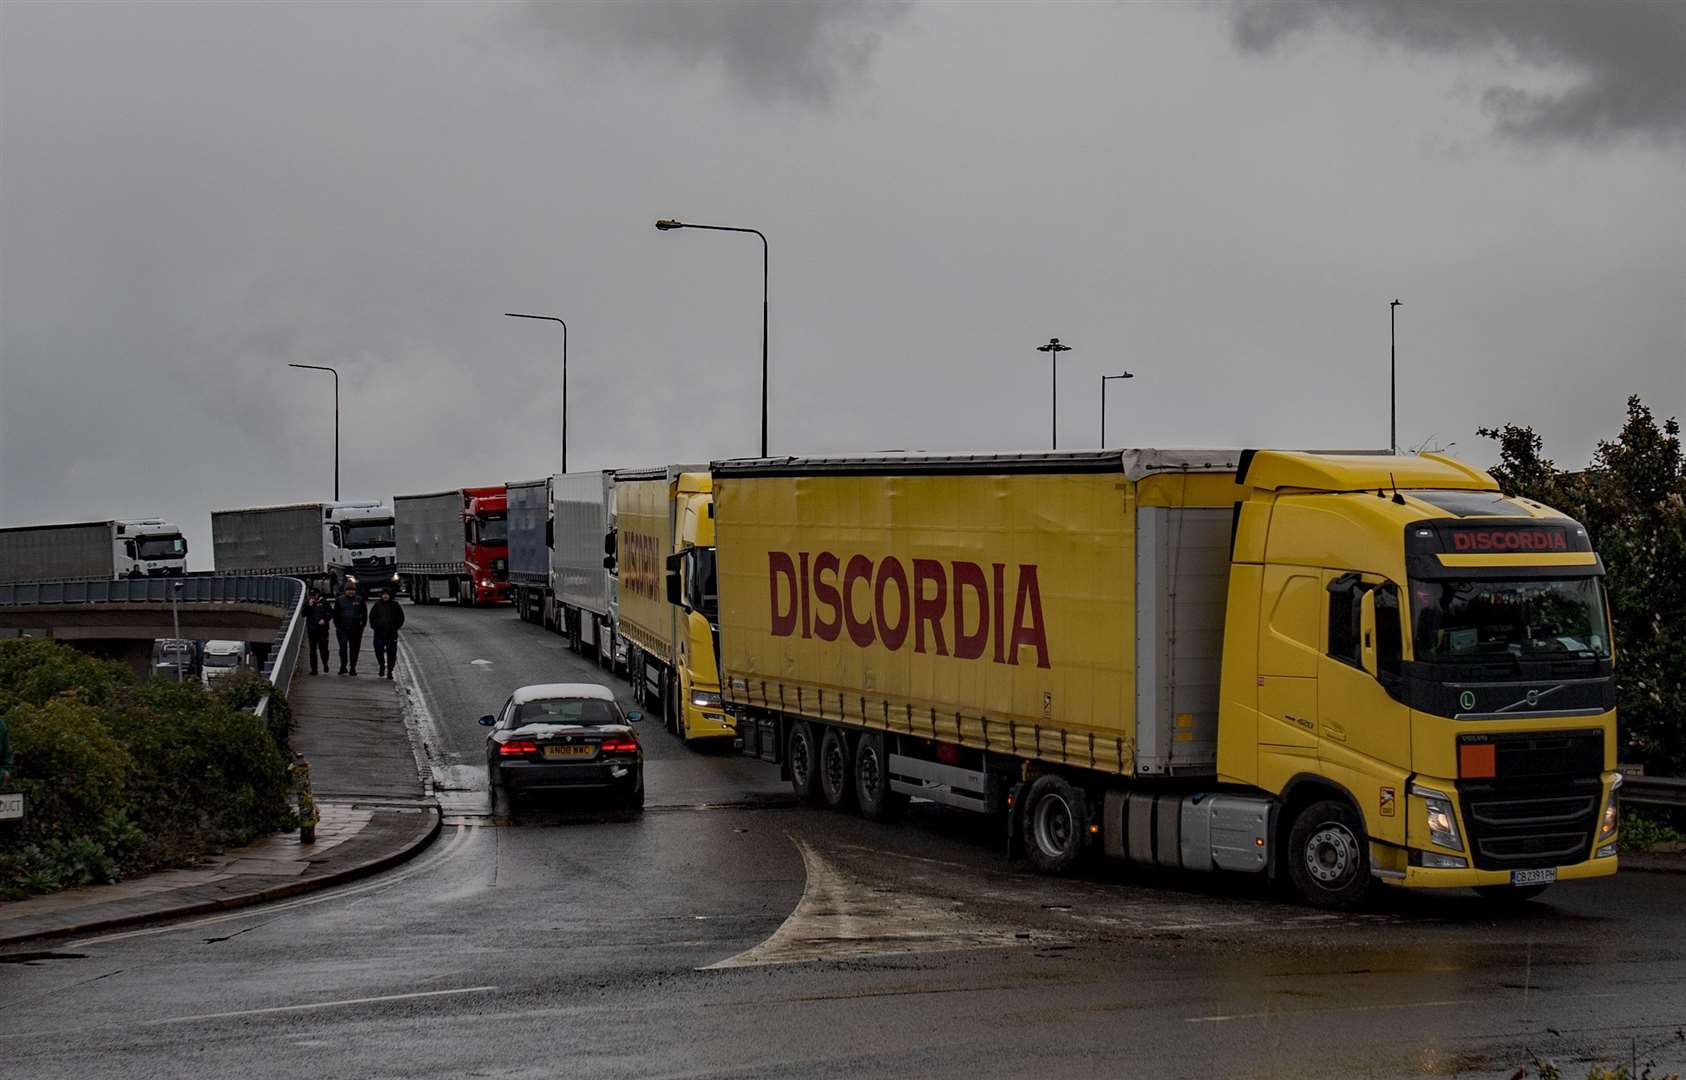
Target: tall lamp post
<point>1053,349</point>
<point>559,322</point>
<point>336,375</point>
<point>1392,382</point>
<point>668,225</point>
<point>1104,380</point>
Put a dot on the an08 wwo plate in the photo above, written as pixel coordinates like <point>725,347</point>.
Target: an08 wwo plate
<point>1534,877</point>
<point>11,805</point>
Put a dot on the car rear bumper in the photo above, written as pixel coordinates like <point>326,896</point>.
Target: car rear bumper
<point>582,776</point>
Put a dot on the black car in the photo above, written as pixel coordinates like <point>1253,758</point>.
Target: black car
<point>564,737</point>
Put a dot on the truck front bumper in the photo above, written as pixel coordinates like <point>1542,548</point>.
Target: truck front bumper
<point>1424,877</point>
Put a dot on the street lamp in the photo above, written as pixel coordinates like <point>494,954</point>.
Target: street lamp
<point>175,619</point>
<point>554,319</point>
<point>1104,380</point>
<point>336,375</point>
<point>1392,382</point>
<point>668,225</point>
<point>1053,349</point>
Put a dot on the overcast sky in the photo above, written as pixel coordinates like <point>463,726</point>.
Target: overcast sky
<point>1221,198</point>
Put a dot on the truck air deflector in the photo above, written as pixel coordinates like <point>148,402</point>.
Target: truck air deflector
<point>1133,464</point>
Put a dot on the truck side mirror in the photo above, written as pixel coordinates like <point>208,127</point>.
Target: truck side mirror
<point>550,533</point>
<point>609,542</point>
<point>1367,631</point>
<point>673,590</point>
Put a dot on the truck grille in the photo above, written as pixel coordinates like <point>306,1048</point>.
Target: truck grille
<point>1518,825</point>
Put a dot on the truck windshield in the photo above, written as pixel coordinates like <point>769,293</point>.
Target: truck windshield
<point>494,529</point>
<point>362,534</point>
<point>1478,620</point>
<point>160,547</point>
<point>221,660</point>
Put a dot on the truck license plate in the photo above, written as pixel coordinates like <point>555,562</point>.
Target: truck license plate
<point>11,805</point>
<point>1534,877</point>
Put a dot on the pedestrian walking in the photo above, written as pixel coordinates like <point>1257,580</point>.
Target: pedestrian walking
<point>386,618</point>
<point>318,620</point>
<point>351,615</point>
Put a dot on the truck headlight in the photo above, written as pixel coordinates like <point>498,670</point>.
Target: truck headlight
<point>485,583</point>
<point>704,700</point>
<point>1442,818</point>
<point>1612,810</point>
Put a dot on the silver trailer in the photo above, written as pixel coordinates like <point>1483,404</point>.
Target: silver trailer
<point>581,506</point>
<point>142,547</point>
<point>529,545</point>
<point>430,545</point>
<point>270,540</point>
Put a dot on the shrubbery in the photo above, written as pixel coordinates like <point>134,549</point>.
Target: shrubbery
<point>123,776</point>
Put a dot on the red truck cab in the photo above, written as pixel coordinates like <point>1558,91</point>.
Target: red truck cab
<point>485,514</point>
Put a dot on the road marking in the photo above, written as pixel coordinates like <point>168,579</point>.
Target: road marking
<point>423,865</point>
<point>308,1007</point>
<point>841,917</point>
<point>421,720</point>
<point>481,663</point>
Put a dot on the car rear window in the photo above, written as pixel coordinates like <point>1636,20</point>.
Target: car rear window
<point>567,711</point>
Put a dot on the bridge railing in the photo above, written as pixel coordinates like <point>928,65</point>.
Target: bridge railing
<point>286,593</point>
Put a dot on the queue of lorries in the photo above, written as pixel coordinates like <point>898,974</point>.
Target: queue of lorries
<point>1333,669</point>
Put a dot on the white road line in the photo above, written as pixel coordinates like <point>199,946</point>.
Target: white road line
<point>422,866</point>
<point>308,1007</point>
<point>421,719</point>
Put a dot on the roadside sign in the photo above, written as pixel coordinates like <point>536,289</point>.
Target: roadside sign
<point>11,805</point>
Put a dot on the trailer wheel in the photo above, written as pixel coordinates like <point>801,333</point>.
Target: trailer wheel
<point>1329,856</point>
<point>837,774</point>
<point>1056,824</point>
<point>802,755</point>
<point>872,780</point>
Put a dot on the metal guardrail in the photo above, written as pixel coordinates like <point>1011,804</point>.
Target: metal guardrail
<point>1655,791</point>
<point>286,593</point>
<point>243,588</point>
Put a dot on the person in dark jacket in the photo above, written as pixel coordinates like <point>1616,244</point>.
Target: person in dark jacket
<point>385,619</point>
<point>318,619</point>
<point>351,615</point>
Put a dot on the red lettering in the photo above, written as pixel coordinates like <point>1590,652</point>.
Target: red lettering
<point>826,627</point>
<point>860,630</point>
<point>779,565</point>
<point>929,609</point>
<point>1032,633</point>
<point>969,645</point>
<point>1462,541</point>
<point>890,572</point>
<point>802,576</point>
<point>998,605</point>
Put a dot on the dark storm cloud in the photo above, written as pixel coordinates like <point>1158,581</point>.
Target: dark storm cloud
<point>1628,59</point>
<point>768,49</point>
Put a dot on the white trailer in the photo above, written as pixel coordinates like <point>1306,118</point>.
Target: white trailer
<point>134,547</point>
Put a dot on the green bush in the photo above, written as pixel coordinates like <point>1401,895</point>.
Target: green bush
<point>121,776</point>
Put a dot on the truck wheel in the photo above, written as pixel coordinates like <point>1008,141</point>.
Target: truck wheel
<point>802,755</point>
<point>872,780</point>
<point>1329,856</point>
<point>837,774</point>
<point>1056,823</point>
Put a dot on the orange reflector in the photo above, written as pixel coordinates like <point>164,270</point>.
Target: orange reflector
<point>1475,761</point>
<point>1094,828</point>
<point>1259,841</point>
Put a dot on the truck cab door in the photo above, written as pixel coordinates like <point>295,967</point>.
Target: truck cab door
<point>1364,732</point>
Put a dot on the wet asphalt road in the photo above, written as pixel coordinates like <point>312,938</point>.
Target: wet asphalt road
<point>727,933</point>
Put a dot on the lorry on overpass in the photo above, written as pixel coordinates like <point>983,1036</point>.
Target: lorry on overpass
<point>1336,670</point>
<point>557,571</point>
<point>131,548</point>
<point>322,542</point>
<point>665,598</point>
<point>454,544</point>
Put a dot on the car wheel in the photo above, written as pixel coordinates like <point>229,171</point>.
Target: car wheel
<point>1056,823</point>
<point>498,795</point>
<point>802,756</point>
<point>836,774</point>
<point>872,780</point>
<point>633,802</point>
<point>1329,856</point>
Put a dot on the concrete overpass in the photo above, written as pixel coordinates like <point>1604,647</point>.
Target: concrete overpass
<point>121,619</point>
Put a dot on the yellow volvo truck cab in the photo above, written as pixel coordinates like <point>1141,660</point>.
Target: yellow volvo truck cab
<point>692,589</point>
<point>1424,681</point>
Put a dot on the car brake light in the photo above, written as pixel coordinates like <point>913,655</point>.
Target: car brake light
<point>517,748</point>
<point>620,746</point>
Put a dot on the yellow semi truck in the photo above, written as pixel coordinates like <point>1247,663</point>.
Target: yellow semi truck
<point>664,565</point>
<point>1333,669</point>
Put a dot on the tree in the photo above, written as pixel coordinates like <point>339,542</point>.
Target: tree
<point>1632,500</point>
